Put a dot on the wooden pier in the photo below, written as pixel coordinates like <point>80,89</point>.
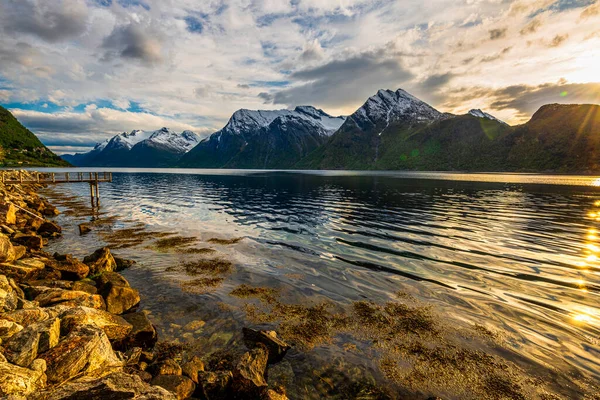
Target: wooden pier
<point>49,178</point>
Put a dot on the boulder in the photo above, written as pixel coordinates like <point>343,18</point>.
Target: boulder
<point>117,385</point>
<point>249,373</point>
<point>8,214</point>
<point>31,241</point>
<point>215,385</point>
<point>70,298</point>
<point>7,251</point>
<point>117,293</point>
<point>8,328</point>
<point>274,395</point>
<point>100,261</point>
<point>24,269</point>
<point>192,368</point>
<point>85,350</point>
<point>23,347</point>
<point>166,367</point>
<point>85,287</point>
<point>84,228</point>
<point>115,327</point>
<point>143,334</point>
<point>16,380</point>
<point>49,227</point>
<point>123,264</point>
<point>6,229</point>
<point>20,251</point>
<point>49,210</point>
<point>277,347</point>
<point>27,317</point>
<point>70,267</point>
<point>181,386</point>
<point>8,296</point>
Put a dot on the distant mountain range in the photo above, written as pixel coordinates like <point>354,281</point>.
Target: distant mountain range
<point>393,130</point>
<point>19,147</point>
<point>144,149</point>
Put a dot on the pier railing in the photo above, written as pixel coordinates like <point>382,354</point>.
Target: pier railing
<point>49,178</point>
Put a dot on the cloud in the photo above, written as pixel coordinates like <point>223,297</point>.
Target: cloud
<point>558,40</point>
<point>51,21</point>
<point>531,27</point>
<point>341,82</point>
<point>434,82</point>
<point>133,41</point>
<point>312,51</point>
<point>496,34</point>
<point>591,11</point>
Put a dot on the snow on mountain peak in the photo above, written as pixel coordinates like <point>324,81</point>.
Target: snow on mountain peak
<point>480,114</point>
<point>248,121</point>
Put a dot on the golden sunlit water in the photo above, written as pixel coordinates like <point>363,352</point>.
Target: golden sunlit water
<point>515,253</point>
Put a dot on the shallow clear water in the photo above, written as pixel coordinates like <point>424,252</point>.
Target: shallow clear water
<point>515,253</point>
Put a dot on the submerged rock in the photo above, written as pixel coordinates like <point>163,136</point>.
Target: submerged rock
<point>277,347</point>
<point>100,261</point>
<point>84,350</point>
<point>84,228</point>
<point>181,386</point>
<point>117,385</point>
<point>215,385</point>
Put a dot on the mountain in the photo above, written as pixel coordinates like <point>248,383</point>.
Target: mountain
<point>264,139</point>
<point>560,138</point>
<point>360,141</point>
<point>161,148</point>
<point>20,147</point>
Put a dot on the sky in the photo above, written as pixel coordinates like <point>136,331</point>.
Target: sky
<point>77,72</point>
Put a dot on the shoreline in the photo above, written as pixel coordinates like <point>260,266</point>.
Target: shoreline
<point>70,327</point>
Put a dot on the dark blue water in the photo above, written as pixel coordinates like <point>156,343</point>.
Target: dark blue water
<point>514,253</point>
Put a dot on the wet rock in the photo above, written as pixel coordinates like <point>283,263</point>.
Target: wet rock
<point>85,350</point>
<point>23,270</point>
<point>277,347</point>
<point>123,263</point>
<point>118,295</point>
<point>192,368</point>
<point>20,251</point>
<point>85,287</point>
<point>166,367</point>
<point>274,395</point>
<point>214,385</point>
<point>115,386</point>
<point>49,227</point>
<point>8,297</point>
<point>100,261</point>
<point>115,327</point>
<point>16,380</point>
<point>70,298</point>
<point>249,373</point>
<point>6,229</point>
<point>31,241</point>
<point>8,214</point>
<point>70,267</point>
<point>7,252</point>
<point>49,210</point>
<point>181,386</point>
<point>143,334</point>
<point>84,228</point>
<point>27,317</point>
<point>23,347</point>
<point>8,328</point>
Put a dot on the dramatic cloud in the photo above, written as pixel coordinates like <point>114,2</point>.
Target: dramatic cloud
<point>339,82</point>
<point>50,21</point>
<point>79,71</point>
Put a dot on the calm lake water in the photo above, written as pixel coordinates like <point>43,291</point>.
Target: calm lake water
<point>514,255</point>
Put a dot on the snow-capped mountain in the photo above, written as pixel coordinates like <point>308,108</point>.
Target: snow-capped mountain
<point>388,107</point>
<point>138,148</point>
<point>264,139</point>
<point>480,114</point>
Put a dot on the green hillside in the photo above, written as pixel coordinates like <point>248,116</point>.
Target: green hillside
<point>20,147</point>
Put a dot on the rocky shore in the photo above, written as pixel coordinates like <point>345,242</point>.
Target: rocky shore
<point>72,329</point>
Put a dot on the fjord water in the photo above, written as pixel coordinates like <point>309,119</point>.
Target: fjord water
<point>515,253</point>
